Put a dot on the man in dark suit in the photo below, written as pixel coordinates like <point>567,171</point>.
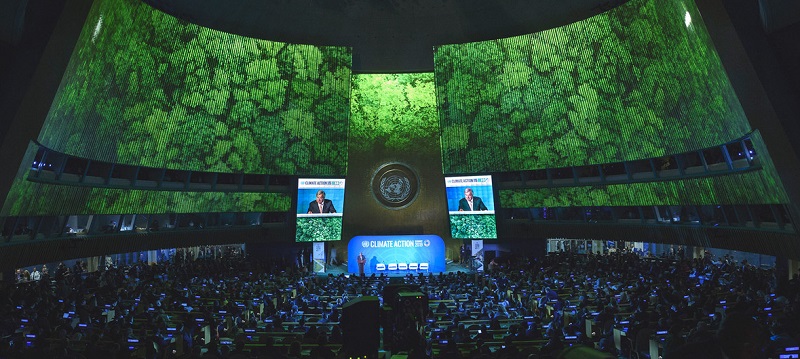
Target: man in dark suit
<point>321,205</point>
<point>361,260</point>
<point>470,202</point>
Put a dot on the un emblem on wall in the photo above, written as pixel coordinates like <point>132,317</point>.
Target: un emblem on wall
<point>395,188</point>
<point>395,185</point>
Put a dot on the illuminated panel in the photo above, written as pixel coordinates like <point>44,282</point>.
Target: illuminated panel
<point>762,186</point>
<point>144,88</point>
<point>642,80</point>
<point>470,203</point>
<point>399,254</point>
<point>395,113</point>
<point>320,206</point>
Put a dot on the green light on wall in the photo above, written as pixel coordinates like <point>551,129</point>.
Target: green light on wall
<point>634,82</point>
<point>144,88</point>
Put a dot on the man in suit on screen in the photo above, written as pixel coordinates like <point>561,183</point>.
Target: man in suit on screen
<point>321,205</point>
<point>470,202</point>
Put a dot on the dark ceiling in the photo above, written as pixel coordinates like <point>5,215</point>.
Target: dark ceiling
<point>386,35</point>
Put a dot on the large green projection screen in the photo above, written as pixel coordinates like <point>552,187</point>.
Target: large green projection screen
<point>642,80</point>
<point>394,113</point>
<point>144,88</point>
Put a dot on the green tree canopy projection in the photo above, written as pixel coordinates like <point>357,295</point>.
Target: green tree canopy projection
<point>317,229</point>
<point>394,112</point>
<point>642,80</point>
<point>145,88</point>
<point>760,186</point>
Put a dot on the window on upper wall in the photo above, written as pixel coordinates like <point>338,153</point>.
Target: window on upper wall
<point>613,169</point>
<point>640,166</point>
<point>782,213</point>
<point>536,175</point>
<point>37,160</point>
<point>99,169</point>
<point>279,180</point>
<point>507,177</point>
<point>735,151</point>
<point>588,171</point>
<point>627,213</point>
<point>665,163</point>
<point>714,158</point>
<point>719,217</point>
<point>545,213</point>
<point>123,172</point>
<point>516,213</point>
<point>692,160</point>
<point>175,176</point>
<point>744,214</point>
<point>599,214</point>
<point>748,144</point>
<point>254,180</point>
<point>689,214</point>
<point>732,216</point>
<point>648,213</point>
<point>562,173</point>
<point>274,217</point>
<point>52,162</point>
<point>200,177</point>
<point>75,166</point>
<point>227,178</point>
<point>706,214</point>
<point>571,213</point>
<point>148,174</point>
<point>762,213</point>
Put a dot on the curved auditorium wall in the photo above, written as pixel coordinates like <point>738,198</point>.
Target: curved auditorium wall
<point>639,81</point>
<point>28,198</point>
<point>145,88</point>
<point>758,186</point>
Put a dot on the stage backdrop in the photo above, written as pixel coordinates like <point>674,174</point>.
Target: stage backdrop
<point>394,124</point>
<point>388,250</point>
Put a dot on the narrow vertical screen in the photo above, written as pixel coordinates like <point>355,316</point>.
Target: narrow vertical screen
<point>320,205</point>
<point>470,203</point>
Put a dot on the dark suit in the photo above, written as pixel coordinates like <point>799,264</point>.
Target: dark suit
<point>361,260</point>
<point>477,205</point>
<point>327,207</point>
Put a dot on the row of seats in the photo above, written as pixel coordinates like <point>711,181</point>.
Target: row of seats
<point>381,267</point>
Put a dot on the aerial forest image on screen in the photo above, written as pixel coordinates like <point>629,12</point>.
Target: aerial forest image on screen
<point>145,88</point>
<point>639,81</point>
<point>394,113</point>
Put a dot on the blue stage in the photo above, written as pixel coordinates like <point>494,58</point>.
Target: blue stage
<point>397,254</point>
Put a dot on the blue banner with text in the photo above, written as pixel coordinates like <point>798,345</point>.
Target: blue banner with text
<point>399,254</point>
